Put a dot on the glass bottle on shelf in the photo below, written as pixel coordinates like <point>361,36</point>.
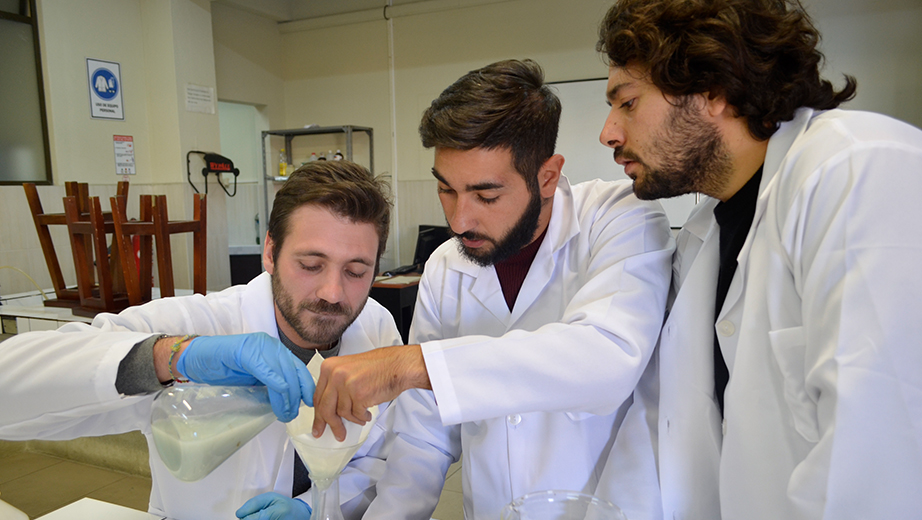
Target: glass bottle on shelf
<point>283,163</point>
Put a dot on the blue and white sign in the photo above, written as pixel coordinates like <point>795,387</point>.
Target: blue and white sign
<point>105,89</point>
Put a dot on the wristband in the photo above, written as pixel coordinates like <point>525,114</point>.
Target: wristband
<point>173,350</point>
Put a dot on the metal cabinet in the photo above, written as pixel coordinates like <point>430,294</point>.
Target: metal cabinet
<point>289,136</point>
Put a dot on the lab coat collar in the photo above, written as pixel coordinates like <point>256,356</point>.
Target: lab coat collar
<point>258,307</point>
<point>778,146</point>
<point>562,227</point>
<point>701,220</point>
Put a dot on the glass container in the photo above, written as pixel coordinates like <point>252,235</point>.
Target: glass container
<point>561,505</point>
<point>197,427</point>
<point>325,458</point>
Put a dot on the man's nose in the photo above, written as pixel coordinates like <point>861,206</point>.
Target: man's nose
<point>461,220</point>
<point>332,289</point>
<point>612,134</point>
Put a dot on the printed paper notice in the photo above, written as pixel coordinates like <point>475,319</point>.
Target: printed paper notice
<point>199,99</point>
<point>124,154</point>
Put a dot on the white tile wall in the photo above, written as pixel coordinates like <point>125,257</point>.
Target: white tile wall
<point>417,203</point>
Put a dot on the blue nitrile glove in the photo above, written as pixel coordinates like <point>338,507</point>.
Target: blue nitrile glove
<point>273,506</point>
<point>250,359</point>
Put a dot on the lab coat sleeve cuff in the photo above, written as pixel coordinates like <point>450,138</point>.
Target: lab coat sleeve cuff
<point>136,372</point>
<point>107,370</point>
<point>440,379</point>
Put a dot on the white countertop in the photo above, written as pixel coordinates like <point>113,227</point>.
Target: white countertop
<point>90,509</point>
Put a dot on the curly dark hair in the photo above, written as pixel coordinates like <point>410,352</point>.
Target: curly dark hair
<point>343,187</point>
<point>760,55</point>
<point>505,105</point>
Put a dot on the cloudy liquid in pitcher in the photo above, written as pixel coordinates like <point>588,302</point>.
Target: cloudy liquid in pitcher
<point>204,443</point>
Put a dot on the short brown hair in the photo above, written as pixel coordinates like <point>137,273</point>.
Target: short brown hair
<point>760,55</point>
<point>505,105</point>
<point>343,187</point>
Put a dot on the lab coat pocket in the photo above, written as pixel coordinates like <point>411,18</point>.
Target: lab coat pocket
<point>789,347</point>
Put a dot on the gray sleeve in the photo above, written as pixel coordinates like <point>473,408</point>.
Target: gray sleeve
<point>136,374</point>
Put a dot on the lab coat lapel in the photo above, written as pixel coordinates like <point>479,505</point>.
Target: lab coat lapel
<point>487,291</point>
<point>562,227</point>
<point>778,147</point>
<point>257,306</point>
<point>697,280</point>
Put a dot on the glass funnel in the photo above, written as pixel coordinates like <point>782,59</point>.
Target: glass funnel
<point>325,457</point>
<point>197,427</point>
<point>561,505</point>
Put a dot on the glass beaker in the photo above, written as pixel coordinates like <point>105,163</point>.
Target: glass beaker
<point>561,505</point>
<point>197,427</point>
<point>325,457</point>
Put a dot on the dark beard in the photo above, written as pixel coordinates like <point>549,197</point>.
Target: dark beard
<point>695,158</point>
<point>521,234</point>
<point>320,330</point>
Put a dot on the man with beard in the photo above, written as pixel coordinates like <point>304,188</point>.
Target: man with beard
<point>789,366</point>
<point>327,230</point>
<point>532,325</point>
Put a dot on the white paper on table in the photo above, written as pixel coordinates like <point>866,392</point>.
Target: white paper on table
<point>399,280</point>
<point>90,509</point>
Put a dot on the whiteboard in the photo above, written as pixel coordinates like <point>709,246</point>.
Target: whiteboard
<point>581,120</point>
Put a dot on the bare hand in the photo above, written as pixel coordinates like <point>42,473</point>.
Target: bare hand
<point>349,385</point>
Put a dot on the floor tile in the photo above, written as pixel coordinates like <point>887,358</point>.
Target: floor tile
<point>453,482</point>
<point>451,506</point>
<point>55,486</point>
<point>133,492</point>
<point>17,465</point>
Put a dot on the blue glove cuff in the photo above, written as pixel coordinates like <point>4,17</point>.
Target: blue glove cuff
<point>308,506</point>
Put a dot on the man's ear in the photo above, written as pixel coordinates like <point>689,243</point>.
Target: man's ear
<point>716,106</point>
<point>549,174</point>
<point>267,254</point>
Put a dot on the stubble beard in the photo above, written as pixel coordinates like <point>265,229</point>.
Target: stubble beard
<point>521,234</point>
<point>328,322</point>
<point>695,158</point>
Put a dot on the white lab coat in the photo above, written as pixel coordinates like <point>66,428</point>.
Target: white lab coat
<point>60,385</point>
<point>531,398</point>
<point>821,332</point>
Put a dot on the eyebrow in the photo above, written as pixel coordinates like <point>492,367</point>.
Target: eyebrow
<point>319,254</point>
<point>612,92</point>
<point>483,186</point>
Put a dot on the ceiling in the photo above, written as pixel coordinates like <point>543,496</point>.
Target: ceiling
<point>289,10</point>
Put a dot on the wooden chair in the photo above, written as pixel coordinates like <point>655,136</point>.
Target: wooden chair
<point>163,228</point>
<point>137,271</point>
<point>154,223</point>
<point>64,296</point>
<point>105,295</point>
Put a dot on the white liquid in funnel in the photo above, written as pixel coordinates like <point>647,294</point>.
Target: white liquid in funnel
<point>192,447</point>
<point>325,457</point>
<point>323,464</point>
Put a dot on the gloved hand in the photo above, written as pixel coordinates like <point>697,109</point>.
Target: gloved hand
<point>273,506</point>
<point>250,359</point>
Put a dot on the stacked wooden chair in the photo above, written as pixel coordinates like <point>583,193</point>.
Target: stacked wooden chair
<point>153,223</point>
<point>64,296</point>
<point>111,279</point>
